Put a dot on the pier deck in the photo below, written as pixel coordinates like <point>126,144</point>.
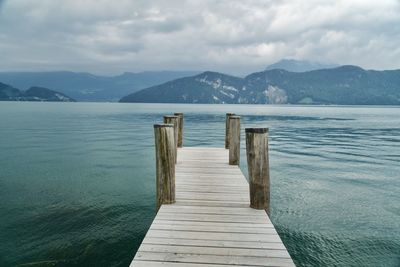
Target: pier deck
<point>211,223</point>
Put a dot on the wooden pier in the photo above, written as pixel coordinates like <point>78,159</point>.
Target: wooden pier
<point>210,223</point>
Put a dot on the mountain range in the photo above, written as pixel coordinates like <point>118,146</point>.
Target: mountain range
<point>89,87</point>
<point>344,85</point>
<point>9,93</point>
<point>285,82</point>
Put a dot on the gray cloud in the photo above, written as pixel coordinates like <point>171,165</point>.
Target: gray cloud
<point>227,35</point>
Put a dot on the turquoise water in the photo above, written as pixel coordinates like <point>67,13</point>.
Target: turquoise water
<point>77,179</point>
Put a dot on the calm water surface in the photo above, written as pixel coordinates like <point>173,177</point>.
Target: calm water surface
<point>77,184</point>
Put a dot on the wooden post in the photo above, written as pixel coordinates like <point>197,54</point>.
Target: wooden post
<point>234,140</point>
<point>175,121</point>
<point>165,163</point>
<point>258,166</point>
<point>227,129</point>
<point>180,132</point>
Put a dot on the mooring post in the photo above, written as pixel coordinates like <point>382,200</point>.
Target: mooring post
<point>180,130</point>
<point>175,121</point>
<point>165,163</point>
<point>258,166</point>
<point>234,140</point>
<point>227,129</point>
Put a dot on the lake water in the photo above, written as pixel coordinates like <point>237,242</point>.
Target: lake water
<point>77,180</point>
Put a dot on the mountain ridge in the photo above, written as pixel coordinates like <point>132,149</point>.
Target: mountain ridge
<point>343,85</point>
<point>84,86</point>
<point>34,93</point>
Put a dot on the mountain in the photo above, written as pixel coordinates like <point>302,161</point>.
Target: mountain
<point>44,94</point>
<point>345,85</point>
<point>9,93</point>
<point>89,87</point>
<point>294,65</point>
<point>208,87</point>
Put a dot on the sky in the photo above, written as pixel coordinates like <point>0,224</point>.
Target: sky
<point>111,37</point>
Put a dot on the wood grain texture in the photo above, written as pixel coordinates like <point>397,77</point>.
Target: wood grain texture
<point>227,129</point>
<point>258,167</point>
<point>211,223</point>
<point>234,140</point>
<point>180,129</point>
<point>175,121</point>
<point>165,164</point>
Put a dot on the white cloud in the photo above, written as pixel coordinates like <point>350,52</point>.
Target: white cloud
<point>104,36</point>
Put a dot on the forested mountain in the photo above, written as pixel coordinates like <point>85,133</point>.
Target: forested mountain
<point>344,85</point>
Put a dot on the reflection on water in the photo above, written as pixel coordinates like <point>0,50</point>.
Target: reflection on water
<point>77,179</point>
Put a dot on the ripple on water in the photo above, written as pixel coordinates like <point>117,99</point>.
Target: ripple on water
<point>77,181</point>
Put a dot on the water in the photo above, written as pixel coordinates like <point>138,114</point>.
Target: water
<point>77,179</point>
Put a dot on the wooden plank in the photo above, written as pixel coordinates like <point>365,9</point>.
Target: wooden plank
<point>210,224</point>
<point>213,243</point>
<point>214,259</point>
<point>214,184</point>
<point>209,227</point>
<point>253,226</point>
<point>206,203</point>
<point>209,218</point>
<point>140,263</point>
<point>215,236</point>
<point>219,211</point>
<point>214,190</point>
<point>210,181</point>
<point>166,208</point>
<point>273,253</point>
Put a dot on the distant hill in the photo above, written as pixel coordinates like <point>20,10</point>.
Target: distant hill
<point>9,93</point>
<point>299,65</point>
<point>345,85</point>
<point>208,87</point>
<point>89,87</point>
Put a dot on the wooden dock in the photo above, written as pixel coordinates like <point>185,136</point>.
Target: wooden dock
<point>211,223</point>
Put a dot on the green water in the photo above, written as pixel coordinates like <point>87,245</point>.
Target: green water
<point>77,179</point>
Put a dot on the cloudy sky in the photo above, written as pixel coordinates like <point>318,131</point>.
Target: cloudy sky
<point>109,37</point>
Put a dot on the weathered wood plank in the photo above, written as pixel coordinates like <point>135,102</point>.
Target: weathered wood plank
<point>210,218</point>
<point>213,243</point>
<point>209,203</point>
<point>168,208</point>
<point>215,236</point>
<point>273,253</point>
<point>209,227</point>
<point>140,263</point>
<point>217,259</point>
<point>211,223</point>
<point>213,196</point>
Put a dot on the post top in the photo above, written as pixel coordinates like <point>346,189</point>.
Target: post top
<point>256,130</point>
<point>230,114</point>
<point>170,116</point>
<point>234,117</point>
<point>163,125</point>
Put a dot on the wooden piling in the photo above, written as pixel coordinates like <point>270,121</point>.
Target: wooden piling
<point>227,129</point>
<point>165,163</point>
<point>258,167</point>
<point>180,129</point>
<point>234,140</point>
<point>211,223</point>
<point>175,121</point>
